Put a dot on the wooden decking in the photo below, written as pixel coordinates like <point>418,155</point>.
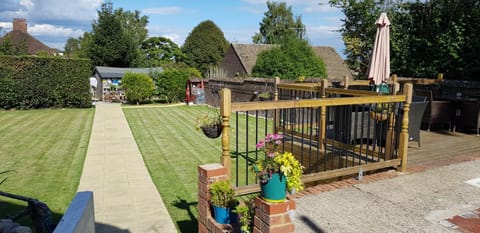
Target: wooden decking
<point>442,145</point>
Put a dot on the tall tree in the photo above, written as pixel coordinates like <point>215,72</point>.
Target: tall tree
<point>427,37</point>
<point>116,37</point>
<point>78,47</point>
<point>358,30</point>
<point>205,46</point>
<point>279,22</point>
<point>161,50</point>
<point>134,27</point>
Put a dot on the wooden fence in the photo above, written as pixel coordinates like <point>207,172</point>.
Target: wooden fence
<point>311,116</point>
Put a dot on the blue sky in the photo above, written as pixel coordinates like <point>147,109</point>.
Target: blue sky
<point>54,21</point>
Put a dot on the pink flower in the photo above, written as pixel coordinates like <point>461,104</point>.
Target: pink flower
<point>260,144</point>
<point>271,154</point>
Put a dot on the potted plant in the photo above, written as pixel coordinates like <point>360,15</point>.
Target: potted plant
<point>277,172</point>
<point>245,213</point>
<point>210,124</point>
<point>223,202</point>
<point>264,96</point>
<point>380,112</point>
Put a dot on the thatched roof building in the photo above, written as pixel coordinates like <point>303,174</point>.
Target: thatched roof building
<point>240,59</point>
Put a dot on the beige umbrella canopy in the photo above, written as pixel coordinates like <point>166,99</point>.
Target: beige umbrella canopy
<point>379,68</point>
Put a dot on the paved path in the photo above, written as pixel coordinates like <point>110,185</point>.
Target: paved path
<point>125,197</point>
<point>433,201</point>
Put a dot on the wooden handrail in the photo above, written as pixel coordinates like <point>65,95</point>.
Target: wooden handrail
<point>315,103</point>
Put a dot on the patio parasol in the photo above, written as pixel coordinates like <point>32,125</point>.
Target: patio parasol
<point>379,67</point>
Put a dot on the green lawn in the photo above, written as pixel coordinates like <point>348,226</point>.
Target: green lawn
<point>45,150</point>
<point>172,150</point>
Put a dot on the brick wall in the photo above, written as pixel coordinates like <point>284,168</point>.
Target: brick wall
<point>269,217</point>
<point>273,217</point>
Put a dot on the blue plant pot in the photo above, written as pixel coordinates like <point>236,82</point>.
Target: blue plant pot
<point>275,190</point>
<point>221,214</point>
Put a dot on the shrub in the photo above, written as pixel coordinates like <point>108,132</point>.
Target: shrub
<point>170,84</point>
<point>138,87</point>
<point>41,82</point>
<point>294,58</point>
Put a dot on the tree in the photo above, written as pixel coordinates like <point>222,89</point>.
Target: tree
<point>170,84</point>
<point>358,31</point>
<point>134,27</point>
<point>138,87</point>
<point>205,46</point>
<point>292,59</point>
<point>72,47</point>
<point>427,37</point>
<point>161,50</point>
<point>278,23</point>
<point>9,48</point>
<point>116,37</point>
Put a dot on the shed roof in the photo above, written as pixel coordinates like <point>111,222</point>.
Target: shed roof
<point>118,72</point>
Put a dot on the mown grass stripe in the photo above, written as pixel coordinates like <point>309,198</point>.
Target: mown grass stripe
<point>46,149</point>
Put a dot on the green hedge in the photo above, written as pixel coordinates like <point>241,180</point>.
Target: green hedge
<point>40,82</point>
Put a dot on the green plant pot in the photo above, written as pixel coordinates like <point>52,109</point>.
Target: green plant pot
<point>275,190</point>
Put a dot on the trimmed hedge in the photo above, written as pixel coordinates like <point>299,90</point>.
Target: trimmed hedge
<point>41,82</point>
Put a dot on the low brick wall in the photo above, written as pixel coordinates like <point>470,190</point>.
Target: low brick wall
<point>80,215</point>
<point>269,217</point>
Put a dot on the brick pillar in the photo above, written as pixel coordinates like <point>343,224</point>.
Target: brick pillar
<point>207,175</point>
<point>273,217</point>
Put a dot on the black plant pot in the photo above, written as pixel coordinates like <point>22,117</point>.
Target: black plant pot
<point>213,131</point>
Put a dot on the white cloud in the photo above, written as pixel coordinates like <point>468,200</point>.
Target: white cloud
<point>54,10</point>
<point>177,35</point>
<point>53,31</point>
<point>57,45</point>
<point>27,4</point>
<point>6,26</point>
<point>322,30</point>
<point>174,37</point>
<point>163,10</point>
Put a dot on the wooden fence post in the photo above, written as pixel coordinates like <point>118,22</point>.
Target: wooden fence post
<point>276,121</point>
<point>440,77</point>
<point>323,116</point>
<point>395,85</point>
<point>226,111</point>
<point>403,143</point>
<point>346,82</point>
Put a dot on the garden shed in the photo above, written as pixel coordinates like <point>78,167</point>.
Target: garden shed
<point>110,78</point>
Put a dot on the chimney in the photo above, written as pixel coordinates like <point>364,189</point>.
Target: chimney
<point>20,24</point>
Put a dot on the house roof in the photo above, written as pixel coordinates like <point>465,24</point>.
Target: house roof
<point>117,72</point>
<point>247,53</point>
<point>20,38</point>
<point>336,67</point>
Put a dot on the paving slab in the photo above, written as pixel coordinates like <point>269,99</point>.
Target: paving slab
<point>125,197</point>
<point>428,201</point>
